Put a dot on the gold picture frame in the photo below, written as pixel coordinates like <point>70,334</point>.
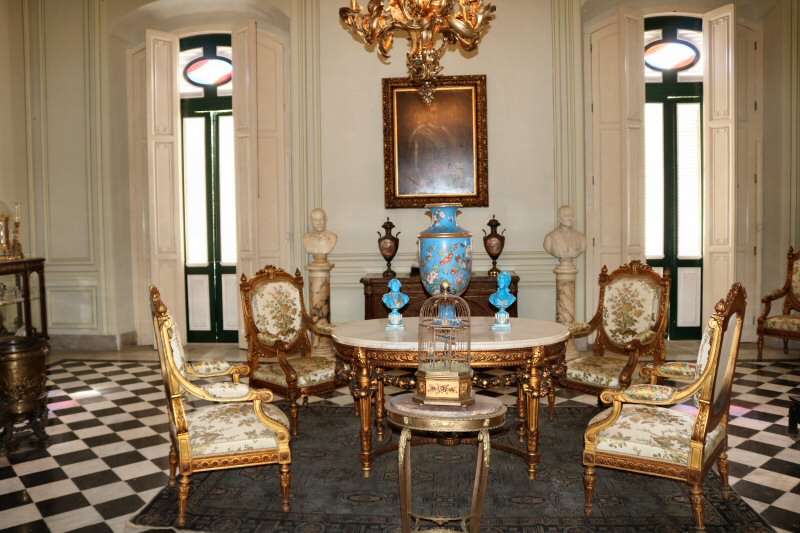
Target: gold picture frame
<point>436,153</point>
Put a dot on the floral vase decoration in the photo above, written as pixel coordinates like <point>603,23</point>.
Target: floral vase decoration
<point>445,251</point>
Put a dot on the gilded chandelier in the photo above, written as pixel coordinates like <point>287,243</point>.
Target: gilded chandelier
<point>431,25</point>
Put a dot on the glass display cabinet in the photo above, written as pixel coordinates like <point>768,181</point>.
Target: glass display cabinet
<point>23,310</point>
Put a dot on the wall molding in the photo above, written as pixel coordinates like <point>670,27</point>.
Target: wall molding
<point>306,172</point>
<point>793,118</point>
<point>534,268</point>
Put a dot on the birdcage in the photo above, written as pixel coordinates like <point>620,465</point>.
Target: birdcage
<point>444,376</point>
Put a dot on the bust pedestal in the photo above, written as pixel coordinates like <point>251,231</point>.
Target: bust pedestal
<point>319,292</point>
<point>566,272</point>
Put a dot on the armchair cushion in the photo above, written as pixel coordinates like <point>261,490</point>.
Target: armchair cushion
<point>224,428</point>
<point>631,307</point>
<point>226,389</point>
<point>653,432</point>
<point>310,371</point>
<point>277,312</point>
<point>600,371</point>
<point>784,322</point>
<point>796,277</point>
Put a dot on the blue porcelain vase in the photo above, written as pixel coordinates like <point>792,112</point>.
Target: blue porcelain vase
<point>445,251</point>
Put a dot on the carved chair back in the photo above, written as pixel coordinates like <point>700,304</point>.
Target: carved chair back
<point>169,345</point>
<point>792,300</point>
<point>273,308</point>
<point>717,356</point>
<point>633,299</point>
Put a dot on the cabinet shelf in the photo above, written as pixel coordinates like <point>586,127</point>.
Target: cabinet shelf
<point>19,312</point>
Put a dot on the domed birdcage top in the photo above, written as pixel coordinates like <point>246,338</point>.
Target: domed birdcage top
<point>444,333</point>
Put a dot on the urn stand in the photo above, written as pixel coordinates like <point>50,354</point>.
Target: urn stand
<point>23,395</point>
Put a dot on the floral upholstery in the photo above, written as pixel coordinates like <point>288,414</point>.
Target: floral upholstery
<point>578,327</point>
<point>703,352</point>
<point>277,312</point>
<point>653,432</point>
<point>648,393</point>
<point>645,336</point>
<point>226,389</point>
<point>600,371</point>
<point>630,307</point>
<point>325,327</point>
<point>678,369</point>
<point>224,428</point>
<point>178,355</point>
<point>796,278</point>
<point>212,366</point>
<point>784,322</point>
<point>310,371</point>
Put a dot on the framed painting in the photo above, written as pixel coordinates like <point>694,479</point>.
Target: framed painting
<point>435,153</point>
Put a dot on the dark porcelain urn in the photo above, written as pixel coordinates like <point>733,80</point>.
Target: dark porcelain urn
<point>494,242</point>
<point>387,244</point>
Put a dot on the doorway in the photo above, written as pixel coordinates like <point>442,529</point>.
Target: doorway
<point>673,164</point>
<point>209,188</point>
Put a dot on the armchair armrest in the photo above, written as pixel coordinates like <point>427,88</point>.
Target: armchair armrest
<point>216,368</point>
<point>774,295</point>
<point>679,370</point>
<point>768,299</point>
<point>234,392</point>
<point>580,329</point>
<point>324,329</point>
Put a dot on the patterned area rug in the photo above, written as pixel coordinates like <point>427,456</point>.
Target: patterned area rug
<point>330,495</point>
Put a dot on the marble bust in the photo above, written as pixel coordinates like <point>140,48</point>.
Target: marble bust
<point>565,242</point>
<point>319,242</point>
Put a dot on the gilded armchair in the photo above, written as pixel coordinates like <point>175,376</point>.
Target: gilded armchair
<point>639,433</point>
<point>630,323</point>
<point>276,324</point>
<point>235,427</point>
<point>785,325</point>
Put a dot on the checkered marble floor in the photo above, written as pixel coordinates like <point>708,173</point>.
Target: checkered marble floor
<point>108,446</point>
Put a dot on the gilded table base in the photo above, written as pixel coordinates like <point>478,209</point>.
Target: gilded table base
<point>539,369</point>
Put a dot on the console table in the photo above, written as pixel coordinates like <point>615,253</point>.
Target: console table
<point>476,295</point>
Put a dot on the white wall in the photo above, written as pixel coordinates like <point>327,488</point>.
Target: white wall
<point>776,187</point>
<point>13,130</point>
<point>79,170</point>
<point>516,57</point>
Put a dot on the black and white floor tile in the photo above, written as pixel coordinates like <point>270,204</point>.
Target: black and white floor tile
<point>108,446</point>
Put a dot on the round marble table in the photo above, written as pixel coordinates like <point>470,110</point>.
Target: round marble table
<point>535,348</point>
<point>480,417</point>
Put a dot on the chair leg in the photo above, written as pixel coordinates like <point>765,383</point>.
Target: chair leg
<point>722,465</point>
<point>760,345</point>
<point>551,403</point>
<point>794,414</point>
<point>286,484</point>
<point>785,345</point>
<point>697,506</point>
<point>173,464</point>
<point>293,412</point>
<point>183,493</point>
<point>588,488</point>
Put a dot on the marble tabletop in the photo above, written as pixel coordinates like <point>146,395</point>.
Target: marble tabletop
<point>525,333</point>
